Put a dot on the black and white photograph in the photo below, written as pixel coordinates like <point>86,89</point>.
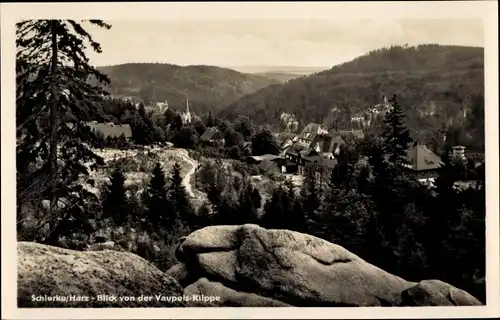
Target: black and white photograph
<point>251,162</point>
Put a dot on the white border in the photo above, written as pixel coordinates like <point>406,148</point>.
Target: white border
<point>11,12</point>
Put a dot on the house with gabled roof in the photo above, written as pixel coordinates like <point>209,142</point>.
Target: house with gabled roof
<point>322,153</point>
<point>328,144</point>
<point>212,135</point>
<point>356,134</point>
<point>423,164</point>
<point>110,129</point>
<point>308,134</point>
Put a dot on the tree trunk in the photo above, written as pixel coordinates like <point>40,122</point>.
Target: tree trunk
<point>53,122</point>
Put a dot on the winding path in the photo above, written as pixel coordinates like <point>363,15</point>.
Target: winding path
<point>186,181</point>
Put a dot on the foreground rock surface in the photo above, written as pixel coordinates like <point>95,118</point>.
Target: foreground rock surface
<point>437,293</point>
<point>295,269</point>
<point>51,271</point>
<point>222,296</point>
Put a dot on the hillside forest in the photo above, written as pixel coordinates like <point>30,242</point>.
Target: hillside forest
<point>209,88</point>
<point>441,89</point>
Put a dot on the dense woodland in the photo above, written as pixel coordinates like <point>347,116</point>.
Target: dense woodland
<point>445,78</point>
<point>209,88</point>
<point>420,234</point>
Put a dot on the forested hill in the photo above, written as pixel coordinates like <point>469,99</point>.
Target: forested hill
<point>446,78</point>
<point>208,87</point>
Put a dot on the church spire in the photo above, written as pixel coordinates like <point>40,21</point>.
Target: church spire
<point>186,114</point>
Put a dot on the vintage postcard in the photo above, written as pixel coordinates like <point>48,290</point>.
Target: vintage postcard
<point>277,160</point>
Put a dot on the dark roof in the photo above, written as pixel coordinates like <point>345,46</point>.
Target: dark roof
<point>211,133</point>
<point>422,158</point>
<point>310,131</point>
<point>327,142</point>
<point>320,160</point>
<point>355,133</point>
<point>284,136</point>
<point>295,149</point>
<point>109,129</point>
<point>304,153</point>
<point>265,165</point>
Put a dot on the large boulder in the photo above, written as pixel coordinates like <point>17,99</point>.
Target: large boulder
<point>205,293</point>
<point>288,266</point>
<point>437,293</point>
<point>50,273</point>
<point>183,273</point>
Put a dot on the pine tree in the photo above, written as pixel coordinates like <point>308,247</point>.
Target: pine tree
<point>54,99</point>
<point>296,217</point>
<point>283,210</point>
<point>447,177</point>
<point>275,216</point>
<point>397,138</point>
<point>157,204</point>
<point>115,204</point>
<point>178,196</point>
<point>264,143</point>
<point>140,132</point>
<point>200,127</point>
<point>310,195</point>
<point>247,211</point>
<point>210,120</point>
<point>203,217</point>
<point>177,124</point>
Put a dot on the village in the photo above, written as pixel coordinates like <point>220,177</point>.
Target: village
<point>315,146</point>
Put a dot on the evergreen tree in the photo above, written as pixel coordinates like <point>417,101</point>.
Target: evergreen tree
<point>169,118</point>
<point>186,138</point>
<point>233,138</point>
<point>447,176</point>
<point>310,194</point>
<point>283,210</point>
<point>177,124</point>
<point>178,196</point>
<point>264,143</point>
<point>142,110</point>
<point>243,125</point>
<point>226,212</point>
<point>397,138</point>
<point>159,209</point>
<point>203,217</point>
<point>275,216</point>
<point>297,218</point>
<point>210,120</point>
<point>342,173</point>
<point>122,142</point>
<point>52,73</point>
<point>247,211</point>
<point>256,198</point>
<point>200,127</point>
<point>115,200</point>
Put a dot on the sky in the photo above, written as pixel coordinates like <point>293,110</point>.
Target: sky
<point>267,42</point>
